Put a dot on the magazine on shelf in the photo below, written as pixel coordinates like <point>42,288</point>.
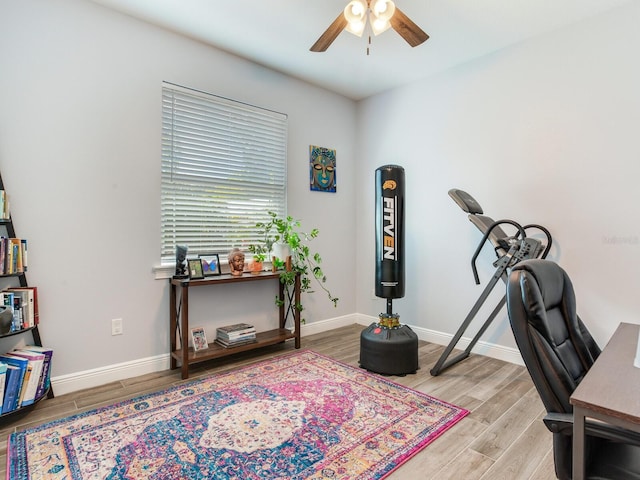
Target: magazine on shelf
<point>236,336</point>
<point>242,336</point>
<point>227,344</point>
<point>199,339</point>
<point>236,328</point>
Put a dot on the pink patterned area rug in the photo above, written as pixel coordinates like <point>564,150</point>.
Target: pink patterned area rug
<point>297,416</point>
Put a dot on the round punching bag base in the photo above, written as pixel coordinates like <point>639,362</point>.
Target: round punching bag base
<point>389,351</point>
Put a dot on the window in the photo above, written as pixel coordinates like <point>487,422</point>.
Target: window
<point>223,169</point>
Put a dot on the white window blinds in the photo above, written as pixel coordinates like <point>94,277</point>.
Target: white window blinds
<point>223,169</point>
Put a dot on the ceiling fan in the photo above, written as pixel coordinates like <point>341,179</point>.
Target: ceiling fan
<point>383,14</point>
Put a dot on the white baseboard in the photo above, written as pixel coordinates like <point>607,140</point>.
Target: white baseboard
<point>329,324</point>
<point>113,373</point>
<point>507,354</point>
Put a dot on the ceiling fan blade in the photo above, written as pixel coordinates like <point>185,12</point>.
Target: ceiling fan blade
<point>330,34</point>
<point>408,30</point>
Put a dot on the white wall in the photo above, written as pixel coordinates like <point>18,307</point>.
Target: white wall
<point>80,129</point>
<point>544,132</point>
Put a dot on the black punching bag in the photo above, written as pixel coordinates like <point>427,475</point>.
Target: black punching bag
<point>387,347</point>
<point>390,232</point>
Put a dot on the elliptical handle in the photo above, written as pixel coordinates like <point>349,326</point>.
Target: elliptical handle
<point>484,239</point>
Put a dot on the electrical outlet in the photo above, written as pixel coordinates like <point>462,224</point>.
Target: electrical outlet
<point>116,326</point>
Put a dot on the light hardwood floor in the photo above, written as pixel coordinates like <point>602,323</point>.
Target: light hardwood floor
<point>502,438</point>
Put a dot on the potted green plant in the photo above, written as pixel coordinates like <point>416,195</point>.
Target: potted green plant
<point>287,231</point>
<point>259,256</point>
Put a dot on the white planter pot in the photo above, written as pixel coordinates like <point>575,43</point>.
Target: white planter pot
<point>281,251</point>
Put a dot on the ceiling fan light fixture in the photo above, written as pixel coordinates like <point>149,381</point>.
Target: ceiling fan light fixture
<point>355,14</point>
<point>383,9</point>
<point>378,25</point>
<point>381,15</point>
<point>356,28</point>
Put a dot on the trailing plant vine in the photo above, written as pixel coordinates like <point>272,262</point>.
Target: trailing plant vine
<point>303,261</point>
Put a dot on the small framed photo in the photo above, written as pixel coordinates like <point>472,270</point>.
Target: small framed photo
<point>210,264</point>
<point>195,269</point>
<point>199,339</point>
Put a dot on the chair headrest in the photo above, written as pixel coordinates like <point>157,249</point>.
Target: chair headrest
<point>550,277</point>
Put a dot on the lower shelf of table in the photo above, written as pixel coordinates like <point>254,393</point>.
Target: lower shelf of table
<point>270,337</point>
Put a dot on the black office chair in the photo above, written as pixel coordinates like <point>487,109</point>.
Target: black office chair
<point>558,351</point>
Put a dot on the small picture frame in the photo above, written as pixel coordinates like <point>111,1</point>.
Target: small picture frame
<point>195,269</point>
<point>210,264</point>
<point>199,339</point>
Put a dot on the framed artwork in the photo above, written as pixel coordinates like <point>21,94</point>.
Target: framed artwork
<point>322,169</point>
<point>199,339</point>
<point>195,269</point>
<point>210,264</point>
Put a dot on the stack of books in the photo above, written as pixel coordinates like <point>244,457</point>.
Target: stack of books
<point>236,334</point>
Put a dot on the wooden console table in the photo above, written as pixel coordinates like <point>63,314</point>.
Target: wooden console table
<point>179,308</point>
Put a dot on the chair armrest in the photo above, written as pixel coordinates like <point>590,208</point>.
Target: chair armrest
<point>559,422</point>
<point>563,423</point>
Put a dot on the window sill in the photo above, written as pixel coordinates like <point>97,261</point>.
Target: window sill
<point>163,272</point>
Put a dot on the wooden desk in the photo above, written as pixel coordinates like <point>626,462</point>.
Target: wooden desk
<point>610,391</point>
<point>179,320</point>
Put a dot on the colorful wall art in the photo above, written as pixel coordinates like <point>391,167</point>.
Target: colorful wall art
<point>322,169</point>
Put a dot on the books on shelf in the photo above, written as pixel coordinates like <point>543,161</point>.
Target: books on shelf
<point>11,389</point>
<point>5,212</point>
<point>36,361</point>
<point>3,379</point>
<point>13,255</point>
<point>25,376</point>
<point>235,335</point>
<point>45,379</point>
<point>235,343</point>
<point>28,296</point>
<point>23,302</point>
<point>15,392</point>
<point>236,328</point>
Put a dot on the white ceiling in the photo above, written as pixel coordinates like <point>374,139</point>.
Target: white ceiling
<point>278,34</point>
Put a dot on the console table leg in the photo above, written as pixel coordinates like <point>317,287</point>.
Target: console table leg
<point>173,323</point>
<point>296,312</point>
<point>184,330</point>
<point>281,309</point>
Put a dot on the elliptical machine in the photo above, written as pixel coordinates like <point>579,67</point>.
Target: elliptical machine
<point>509,249</point>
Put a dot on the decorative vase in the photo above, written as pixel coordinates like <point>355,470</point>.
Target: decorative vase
<point>6,320</point>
